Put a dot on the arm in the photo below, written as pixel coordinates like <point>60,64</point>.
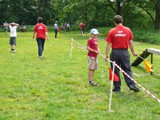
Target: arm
<point>34,34</point>
<point>16,24</point>
<point>108,47</point>
<point>92,50</point>
<point>46,33</point>
<point>131,46</point>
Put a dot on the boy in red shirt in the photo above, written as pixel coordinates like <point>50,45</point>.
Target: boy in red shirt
<point>93,51</point>
<point>41,33</point>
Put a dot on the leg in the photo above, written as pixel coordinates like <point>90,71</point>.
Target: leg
<point>127,69</point>
<point>115,57</point>
<point>13,43</point>
<point>90,75</point>
<point>43,42</point>
<point>92,66</point>
<point>125,65</point>
<point>56,31</point>
<point>39,43</point>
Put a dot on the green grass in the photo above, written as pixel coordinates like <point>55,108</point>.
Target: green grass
<point>56,87</point>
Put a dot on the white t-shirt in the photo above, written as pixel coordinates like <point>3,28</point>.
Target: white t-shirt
<point>55,26</point>
<point>13,31</point>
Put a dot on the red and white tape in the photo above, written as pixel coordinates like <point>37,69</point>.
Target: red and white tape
<point>153,96</point>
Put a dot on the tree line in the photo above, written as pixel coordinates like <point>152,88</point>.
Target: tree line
<point>94,13</point>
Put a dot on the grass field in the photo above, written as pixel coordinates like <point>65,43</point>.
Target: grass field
<point>56,87</point>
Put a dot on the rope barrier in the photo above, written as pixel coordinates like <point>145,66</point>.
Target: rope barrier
<point>153,96</point>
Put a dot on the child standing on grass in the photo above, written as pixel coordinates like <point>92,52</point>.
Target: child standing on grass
<point>93,51</point>
<point>13,35</point>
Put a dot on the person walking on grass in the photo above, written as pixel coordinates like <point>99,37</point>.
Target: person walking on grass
<point>120,38</point>
<point>5,25</point>
<point>81,26</point>
<point>93,51</point>
<point>41,35</point>
<point>13,35</point>
<point>56,29</point>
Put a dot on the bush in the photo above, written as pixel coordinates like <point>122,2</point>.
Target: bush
<point>148,36</point>
<point>140,35</point>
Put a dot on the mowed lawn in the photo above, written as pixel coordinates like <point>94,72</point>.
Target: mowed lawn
<point>56,87</point>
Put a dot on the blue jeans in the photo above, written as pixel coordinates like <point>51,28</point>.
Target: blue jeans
<point>40,43</point>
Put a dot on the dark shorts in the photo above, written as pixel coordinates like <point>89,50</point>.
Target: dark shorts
<point>12,41</point>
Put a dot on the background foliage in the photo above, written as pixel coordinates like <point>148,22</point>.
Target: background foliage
<point>136,13</point>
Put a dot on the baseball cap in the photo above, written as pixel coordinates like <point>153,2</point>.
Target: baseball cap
<point>94,31</point>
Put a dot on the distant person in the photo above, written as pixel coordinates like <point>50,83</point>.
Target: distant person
<point>13,35</point>
<point>68,26</point>
<point>23,28</point>
<point>41,35</point>
<point>56,29</point>
<point>65,25</point>
<point>62,27</point>
<point>93,51</point>
<point>81,26</point>
<point>5,25</point>
<point>120,38</point>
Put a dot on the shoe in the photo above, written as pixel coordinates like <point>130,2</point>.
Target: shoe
<point>13,51</point>
<point>134,88</point>
<point>116,90</point>
<point>92,83</point>
<point>40,57</point>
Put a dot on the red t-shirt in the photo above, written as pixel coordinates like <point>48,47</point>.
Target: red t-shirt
<point>93,44</point>
<point>120,37</point>
<point>81,25</point>
<point>40,29</point>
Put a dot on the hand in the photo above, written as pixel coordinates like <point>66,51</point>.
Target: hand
<point>97,52</point>
<point>106,58</point>
<point>135,54</point>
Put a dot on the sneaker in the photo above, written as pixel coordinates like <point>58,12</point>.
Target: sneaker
<point>40,57</point>
<point>92,83</point>
<point>13,51</point>
<point>134,88</point>
<point>116,90</point>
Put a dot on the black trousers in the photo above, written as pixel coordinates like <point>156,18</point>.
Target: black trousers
<point>122,59</point>
<point>56,32</point>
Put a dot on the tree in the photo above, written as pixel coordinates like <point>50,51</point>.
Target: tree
<point>152,8</point>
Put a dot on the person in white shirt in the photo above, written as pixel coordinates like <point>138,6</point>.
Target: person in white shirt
<point>13,35</point>
<point>56,29</point>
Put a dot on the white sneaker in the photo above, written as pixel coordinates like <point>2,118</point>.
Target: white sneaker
<point>40,57</point>
<point>13,51</point>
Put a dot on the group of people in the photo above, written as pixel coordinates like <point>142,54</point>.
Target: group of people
<point>119,39</point>
<point>64,26</point>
